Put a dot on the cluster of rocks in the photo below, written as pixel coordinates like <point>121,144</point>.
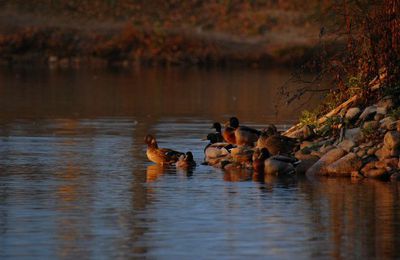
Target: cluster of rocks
<point>364,143</point>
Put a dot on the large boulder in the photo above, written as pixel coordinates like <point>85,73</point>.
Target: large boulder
<point>377,174</point>
<point>345,165</point>
<point>384,153</point>
<point>319,167</point>
<point>386,102</point>
<point>306,164</point>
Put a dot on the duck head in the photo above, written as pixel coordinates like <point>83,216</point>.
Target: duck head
<point>150,141</point>
<point>234,122</point>
<point>189,157</point>
<point>217,127</point>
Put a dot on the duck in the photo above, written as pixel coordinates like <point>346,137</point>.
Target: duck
<point>216,151</point>
<point>242,155</point>
<point>279,165</point>
<point>160,155</point>
<point>243,135</point>
<point>186,161</point>
<point>276,143</point>
<point>218,132</point>
<point>229,134</point>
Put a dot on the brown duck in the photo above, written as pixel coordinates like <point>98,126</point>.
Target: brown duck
<point>160,155</point>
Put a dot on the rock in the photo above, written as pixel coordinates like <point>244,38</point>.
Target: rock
<point>398,126</point>
<point>372,151</point>
<point>306,164</point>
<point>305,144</point>
<point>386,102</point>
<point>384,152</point>
<point>302,156</point>
<point>278,168</point>
<point>353,134</point>
<point>381,110</point>
<point>345,165</point>
<point>395,177</point>
<point>319,167</point>
<point>352,113</point>
<point>377,174</point>
<point>347,145</point>
<point>371,125</point>
<point>392,140</point>
<point>326,148</point>
<point>316,153</point>
<point>53,59</point>
<point>387,164</point>
<point>361,153</point>
<point>379,117</point>
<point>388,123</point>
<point>367,167</point>
<point>304,133</point>
<point>356,174</point>
<point>368,113</point>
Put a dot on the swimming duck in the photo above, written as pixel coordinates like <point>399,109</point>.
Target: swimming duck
<point>276,143</point>
<point>218,132</point>
<point>243,135</point>
<point>186,161</point>
<point>160,155</point>
<point>259,157</point>
<point>216,151</point>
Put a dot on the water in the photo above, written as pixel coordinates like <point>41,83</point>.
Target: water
<point>75,182</point>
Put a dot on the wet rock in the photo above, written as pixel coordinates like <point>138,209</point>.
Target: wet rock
<point>306,164</point>
<point>347,145</point>
<point>376,174</point>
<point>319,167</point>
<point>345,165</point>
<point>368,113</point>
<point>278,168</point>
<point>302,156</point>
<point>395,177</point>
<point>353,134</point>
<point>371,125</point>
<point>388,164</point>
<point>352,113</point>
<point>392,140</point>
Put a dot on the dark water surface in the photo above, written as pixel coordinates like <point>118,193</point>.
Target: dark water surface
<point>75,182</point>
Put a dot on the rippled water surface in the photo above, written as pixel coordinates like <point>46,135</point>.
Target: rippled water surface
<point>75,182</point>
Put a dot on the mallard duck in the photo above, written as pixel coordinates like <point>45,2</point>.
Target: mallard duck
<point>218,132</point>
<point>186,161</point>
<point>229,134</point>
<point>160,155</point>
<point>280,165</point>
<point>216,151</point>
<point>243,135</point>
<point>276,143</point>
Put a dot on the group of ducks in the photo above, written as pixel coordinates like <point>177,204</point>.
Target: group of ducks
<point>266,151</point>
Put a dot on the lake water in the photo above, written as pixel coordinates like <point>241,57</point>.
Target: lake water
<point>75,182</point>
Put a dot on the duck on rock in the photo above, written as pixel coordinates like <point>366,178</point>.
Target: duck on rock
<point>217,135</point>
<point>243,135</point>
<point>216,151</point>
<point>160,155</point>
<point>276,143</point>
<point>278,165</point>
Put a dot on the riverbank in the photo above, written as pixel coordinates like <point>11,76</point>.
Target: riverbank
<point>258,36</point>
<point>353,140</point>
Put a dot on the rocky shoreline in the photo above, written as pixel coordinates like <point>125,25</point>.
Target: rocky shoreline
<point>364,143</point>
